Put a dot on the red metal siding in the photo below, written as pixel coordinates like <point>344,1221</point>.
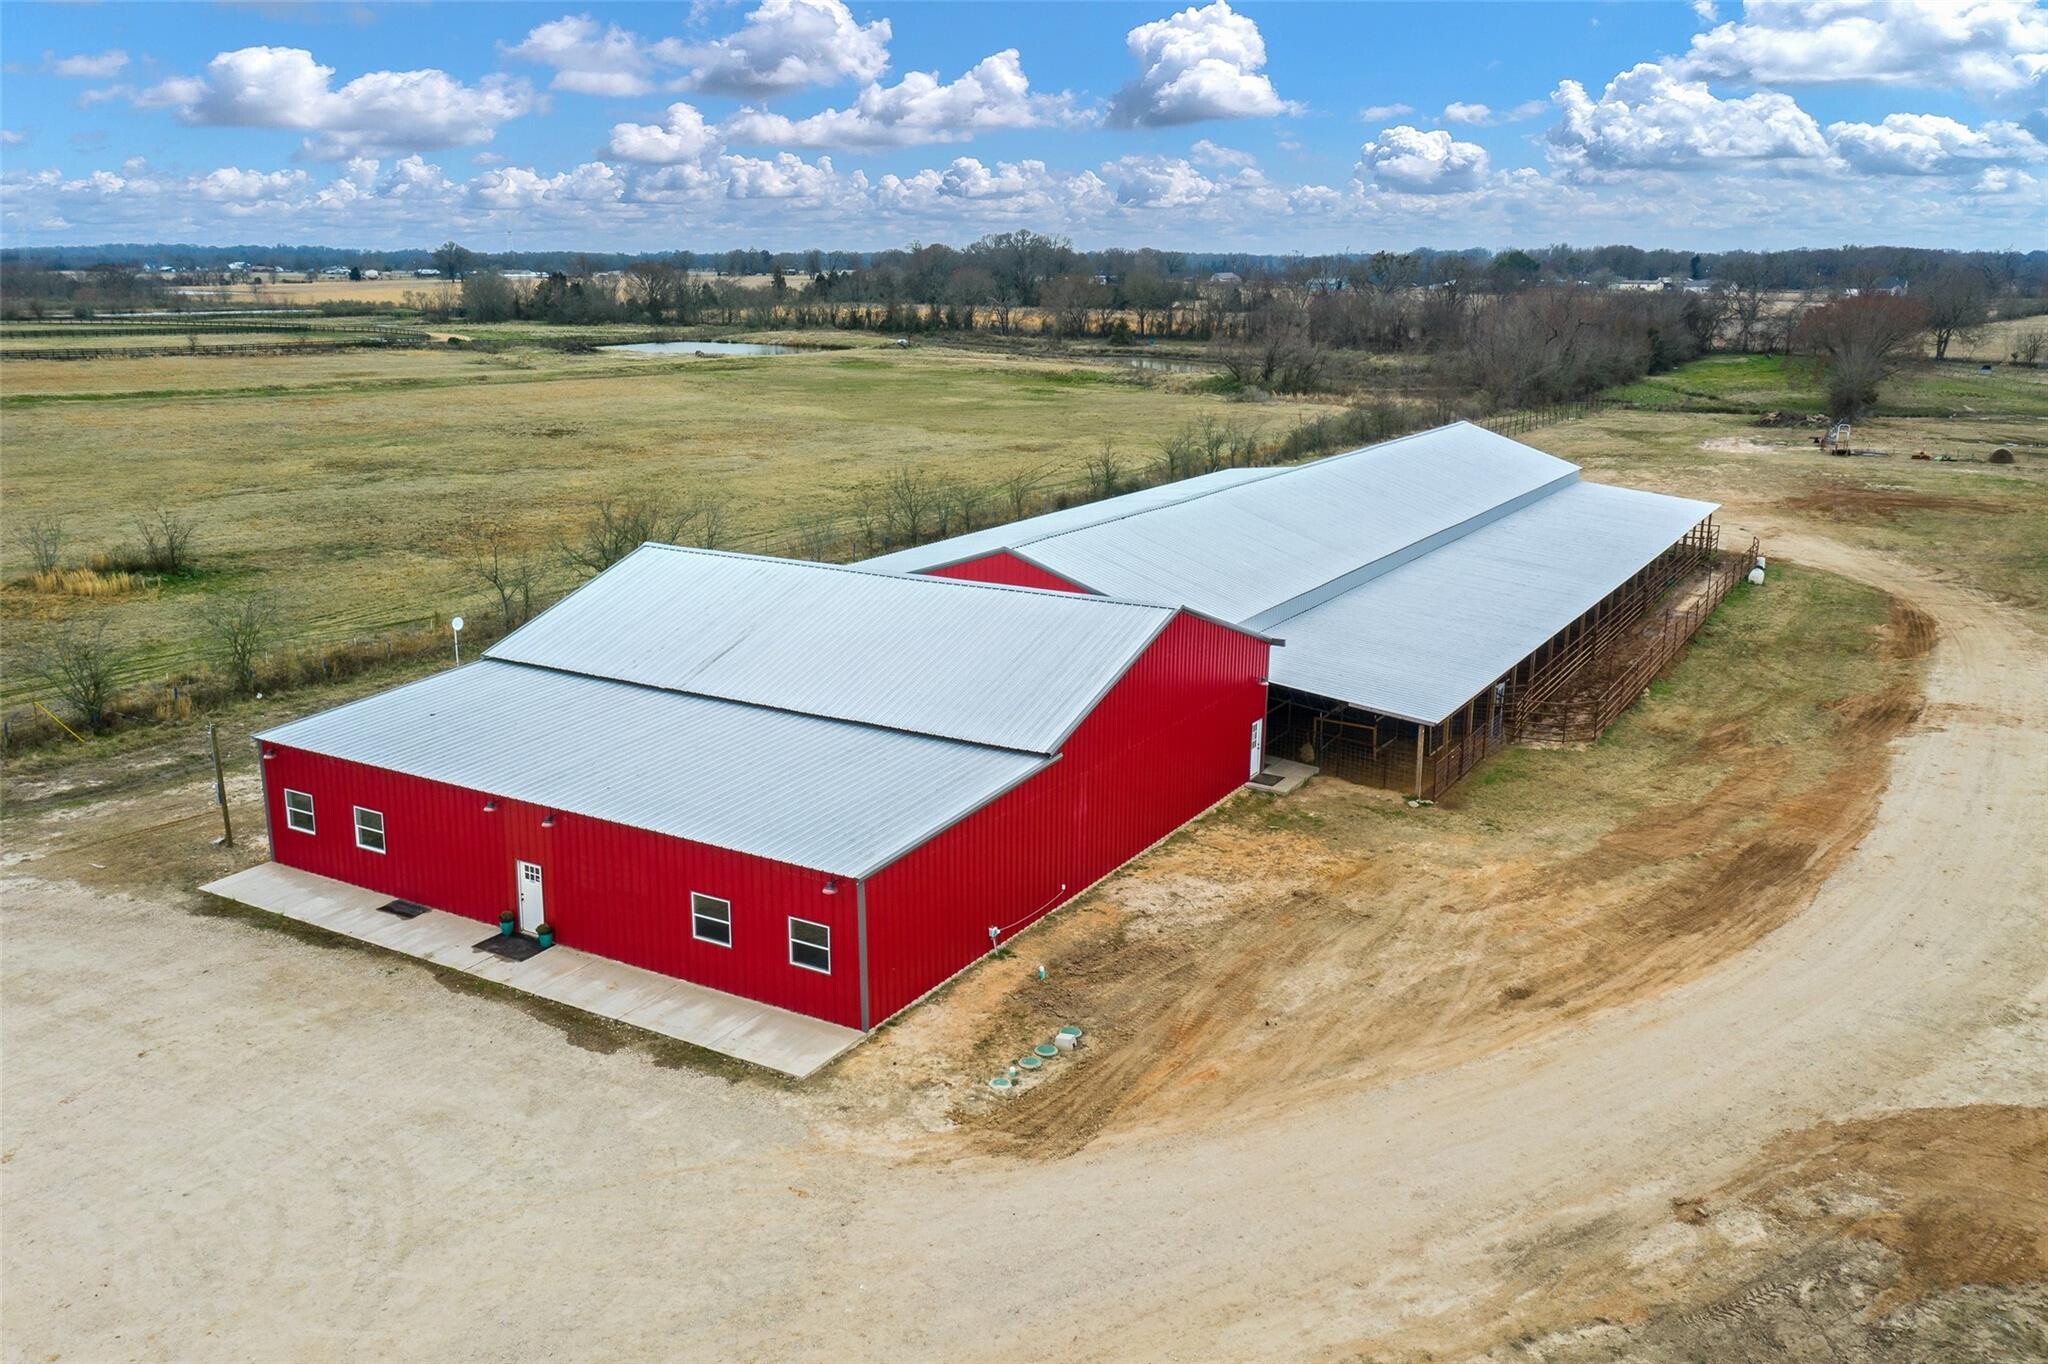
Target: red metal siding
<point>1170,739</point>
<point>619,892</point>
<point>1005,567</point>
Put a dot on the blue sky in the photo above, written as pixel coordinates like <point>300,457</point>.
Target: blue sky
<point>792,123</point>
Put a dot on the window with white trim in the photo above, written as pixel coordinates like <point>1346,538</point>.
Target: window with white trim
<point>369,829</point>
<point>711,919</point>
<point>298,810</point>
<point>810,945</point>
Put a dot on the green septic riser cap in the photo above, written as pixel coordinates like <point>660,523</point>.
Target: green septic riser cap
<point>1047,1050</point>
<point>1070,1031</point>
<point>1001,1082</point>
<point>1029,1062</point>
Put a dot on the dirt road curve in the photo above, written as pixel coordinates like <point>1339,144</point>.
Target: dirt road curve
<point>465,1201</point>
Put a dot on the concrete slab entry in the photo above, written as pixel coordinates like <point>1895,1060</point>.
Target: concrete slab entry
<point>775,1039</point>
<point>1281,776</point>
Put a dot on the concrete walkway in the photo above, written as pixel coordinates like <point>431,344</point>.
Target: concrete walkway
<point>758,1033</point>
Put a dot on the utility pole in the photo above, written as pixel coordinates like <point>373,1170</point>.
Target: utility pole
<point>220,788</point>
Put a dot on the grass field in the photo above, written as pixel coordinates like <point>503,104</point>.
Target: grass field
<point>1767,383</point>
<point>329,481</point>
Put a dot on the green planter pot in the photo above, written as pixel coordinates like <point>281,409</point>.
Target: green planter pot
<point>506,923</point>
<point>546,936</point>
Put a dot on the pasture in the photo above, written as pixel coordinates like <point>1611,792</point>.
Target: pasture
<point>329,482</point>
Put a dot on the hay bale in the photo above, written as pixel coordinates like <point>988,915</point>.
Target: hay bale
<point>2001,456</point>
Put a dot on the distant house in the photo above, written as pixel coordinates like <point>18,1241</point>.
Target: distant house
<point>1328,284</point>
<point>427,274</point>
<point>373,274</point>
<point>522,274</point>
<point>335,272</point>
<point>1226,279</point>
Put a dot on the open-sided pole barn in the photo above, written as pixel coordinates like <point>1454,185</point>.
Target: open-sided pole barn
<point>1441,594</point>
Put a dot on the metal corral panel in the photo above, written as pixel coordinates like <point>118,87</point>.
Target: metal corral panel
<point>974,544</point>
<point>1244,550</point>
<point>988,665</point>
<point>1171,739</point>
<point>1421,641</point>
<point>622,893</point>
<point>843,798</point>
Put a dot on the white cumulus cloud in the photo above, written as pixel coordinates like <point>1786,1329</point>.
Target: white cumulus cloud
<point>1929,144</point>
<point>784,45</point>
<point>682,136</point>
<point>1412,161</point>
<point>87,65</point>
<point>1197,64</point>
<point>1379,113</point>
<point>1997,47</point>
<point>383,111</point>
<point>589,58</point>
<point>918,109</point>
<point>1649,118</point>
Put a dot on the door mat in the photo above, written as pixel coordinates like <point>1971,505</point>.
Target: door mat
<point>511,949</point>
<point>404,909</point>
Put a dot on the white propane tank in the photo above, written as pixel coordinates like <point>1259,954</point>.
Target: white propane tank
<point>1762,562</point>
<point>1756,577</point>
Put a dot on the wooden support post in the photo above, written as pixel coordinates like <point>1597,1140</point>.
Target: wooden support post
<point>1419,730</point>
<point>220,788</point>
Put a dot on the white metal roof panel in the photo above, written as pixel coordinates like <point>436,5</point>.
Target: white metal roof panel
<point>841,798</point>
<point>1243,551</point>
<point>1421,640</point>
<point>1004,666</point>
<point>974,544</point>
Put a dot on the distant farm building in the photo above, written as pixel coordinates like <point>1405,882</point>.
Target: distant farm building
<point>818,787</point>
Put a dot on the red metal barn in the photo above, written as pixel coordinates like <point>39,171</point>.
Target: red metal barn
<point>812,786</point>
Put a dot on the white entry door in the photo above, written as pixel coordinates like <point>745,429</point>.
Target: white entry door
<point>532,907</point>
<point>1258,747</point>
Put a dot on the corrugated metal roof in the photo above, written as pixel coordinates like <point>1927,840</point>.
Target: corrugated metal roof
<point>841,798</point>
<point>1241,552</point>
<point>1421,640</point>
<point>974,544</point>
<point>990,665</point>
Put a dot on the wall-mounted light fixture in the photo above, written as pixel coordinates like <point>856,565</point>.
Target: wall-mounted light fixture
<point>268,753</point>
<point>547,821</point>
<point>831,885</point>
<point>490,807</point>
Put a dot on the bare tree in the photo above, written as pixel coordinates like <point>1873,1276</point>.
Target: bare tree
<point>2028,346</point>
<point>619,525</point>
<point>1958,302</point>
<point>910,500</point>
<point>487,552</point>
<point>1860,343</point>
<point>166,539</point>
<point>43,539</point>
<point>818,538</point>
<point>237,632</point>
<point>1105,472</point>
<point>79,666</point>
<point>1017,491</point>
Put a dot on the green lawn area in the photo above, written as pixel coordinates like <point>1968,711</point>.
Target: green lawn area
<point>1775,383</point>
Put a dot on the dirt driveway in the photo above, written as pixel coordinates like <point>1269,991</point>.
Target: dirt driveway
<point>210,1152</point>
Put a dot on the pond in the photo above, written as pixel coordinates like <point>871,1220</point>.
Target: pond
<point>1154,362</point>
<point>702,348</point>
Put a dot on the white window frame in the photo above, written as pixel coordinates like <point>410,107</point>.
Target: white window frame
<point>291,816</point>
<point>826,929</point>
<point>697,897</point>
<point>382,840</point>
